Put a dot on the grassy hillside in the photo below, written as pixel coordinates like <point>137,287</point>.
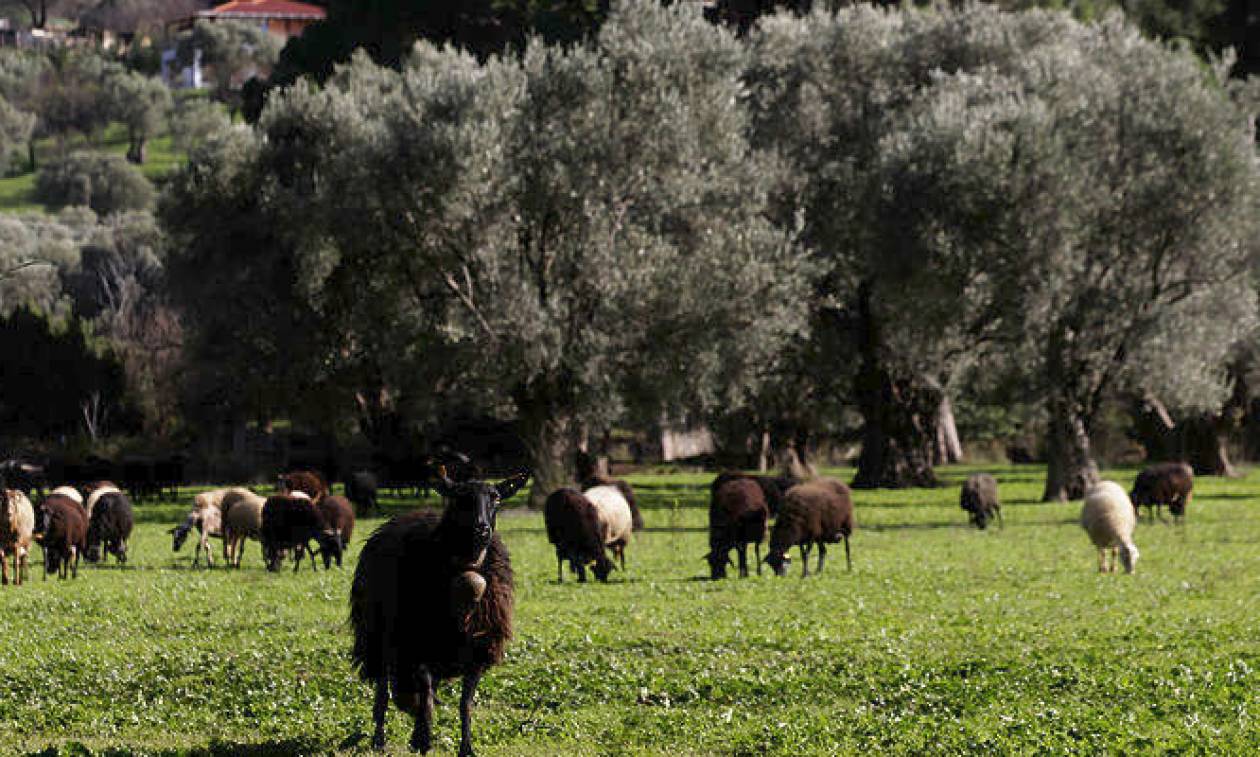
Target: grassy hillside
<point>942,640</point>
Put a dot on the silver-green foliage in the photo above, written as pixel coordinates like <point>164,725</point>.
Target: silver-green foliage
<point>574,232</point>
<point>231,50</point>
<point>104,182</point>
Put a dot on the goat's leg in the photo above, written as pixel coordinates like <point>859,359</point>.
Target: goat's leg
<point>465,713</point>
<point>822,555</point>
<point>422,731</point>
<point>743,559</point>
<point>379,707</point>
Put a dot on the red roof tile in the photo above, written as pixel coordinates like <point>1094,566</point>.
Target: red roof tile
<point>264,9</point>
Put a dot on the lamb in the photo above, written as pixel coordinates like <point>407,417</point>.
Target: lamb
<point>309,482</point>
<point>980,499</point>
<point>772,487</point>
<point>737,517</point>
<point>209,522</point>
<point>454,617</point>
<point>616,519</point>
<point>1109,518</point>
<point>242,519</point>
<point>1169,484</point>
<point>361,490</point>
<point>110,522</point>
<point>62,526</point>
<point>817,512</point>
<point>291,522</point>
<point>338,517</point>
<point>17,528</point>
<point>573,526</point>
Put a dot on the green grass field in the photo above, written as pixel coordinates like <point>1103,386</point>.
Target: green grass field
<point>943,640</point>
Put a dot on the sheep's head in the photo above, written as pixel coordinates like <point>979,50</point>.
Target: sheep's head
<point>471,511</point>
<point>1129,557</point>
<point>602,567</point>
<point>180,534</point>
<point>980,519</point>
<point>779,562</point>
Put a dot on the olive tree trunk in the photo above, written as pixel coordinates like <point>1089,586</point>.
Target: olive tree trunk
<point>1071,469</point>
<point>547,433</point>
<point>948,448</point>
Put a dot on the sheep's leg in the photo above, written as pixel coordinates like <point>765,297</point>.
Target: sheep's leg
<point>4,568</point>
<point>805,559</point>
<point>997,510</point>
<point>1102,559</point>
<point>465,713</point>
<point>822,556</point>
<point>743,560</point>
<point>757,554</point>
<point>580,569</point>
<point>621,555</point>
<point>848,560</point>
<point>422,730</point>
<point>559,568</point>
<point>379,707</point>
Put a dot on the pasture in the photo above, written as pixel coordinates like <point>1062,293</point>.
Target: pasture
<point>943,639</point>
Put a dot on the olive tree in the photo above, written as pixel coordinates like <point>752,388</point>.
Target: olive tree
<point>233,51</point>
<point>141,103</point>
<point>562,236</point>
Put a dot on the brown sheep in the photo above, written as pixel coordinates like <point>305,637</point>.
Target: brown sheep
<point>737,517</point>
<point>1169,484</point>
<point>574,529</point>
<point>454,617</point>
<point>63,527</point>
<point>338,516</point>
<point>304,481</point>
<point>818,512</point>
<point>980,498</point>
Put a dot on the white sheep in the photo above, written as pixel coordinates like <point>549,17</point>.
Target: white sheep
<point>242,519</point>
<point>1108,517</point>
<point>68,491</point>
<point>616,520</point>
<point>17,524</point>
<point>101,488</point>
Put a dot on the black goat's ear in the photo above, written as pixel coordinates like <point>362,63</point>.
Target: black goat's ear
<point>511,485</point>
<point>442,483</point>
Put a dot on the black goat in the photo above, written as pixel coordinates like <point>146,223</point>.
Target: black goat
<point>432,599</point>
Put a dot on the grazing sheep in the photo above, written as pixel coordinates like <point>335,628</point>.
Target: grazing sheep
<point>209,522</point>
<point>772,487</point>
<point>573,527</point>
<point>980,499</point>
<point>109,526</point>
<point>627,492</point>
<point>616,519</point>
<point>242,519</point>
<point>309,482</point>
<point>431,600</point>
<point>361,490</point>
<point>817,512</point>
<point>95,490</point>
<point>338,517</point>
<point>1109,518</point>
<point>17,527</point>
<point>737,517</point>
<point>1169,484</point>
<point>62,525</point>
<point>292,522</point>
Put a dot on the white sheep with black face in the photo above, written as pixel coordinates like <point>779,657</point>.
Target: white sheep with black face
<point>1109,519</point>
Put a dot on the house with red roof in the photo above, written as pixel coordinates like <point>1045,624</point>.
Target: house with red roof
<point>282,18</point>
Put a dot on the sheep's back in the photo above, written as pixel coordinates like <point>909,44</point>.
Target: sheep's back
<point>821,509</point>
<point>112,517</point>
<point>400,603</point>
<point>69,492</point>
<point>17,520</point>
<point>737,512</point>
<point>338,515</point>
<point>1108,515</point>
<point>1162,483</point>
<point>245,515</point>
<point>98,490</point>
<point>614,512</point>
<point>979,493</point>
<point>66,524</point>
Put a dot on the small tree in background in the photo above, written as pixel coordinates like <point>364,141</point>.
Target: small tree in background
<point>141,104</point>
<point>104,182</point>
<point>233,51</point>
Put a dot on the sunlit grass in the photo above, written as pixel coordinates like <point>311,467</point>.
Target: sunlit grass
<point>942,640</point>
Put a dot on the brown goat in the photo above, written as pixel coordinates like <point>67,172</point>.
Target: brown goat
<point>818,512</point>
<point>1169,484</point>
<point>737,517</point>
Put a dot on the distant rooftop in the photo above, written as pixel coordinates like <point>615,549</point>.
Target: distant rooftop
<point>264,9</point>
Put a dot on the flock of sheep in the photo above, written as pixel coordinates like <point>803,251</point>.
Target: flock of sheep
<point>432,595</point>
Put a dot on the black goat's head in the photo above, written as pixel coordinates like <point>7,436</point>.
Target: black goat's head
<point>471,510</point>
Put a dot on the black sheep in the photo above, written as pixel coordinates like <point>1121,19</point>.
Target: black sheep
<point>737,517</point>
<point>292,522</point>
<point>61,527</point>
<point>980,498</point>
<point>1169,484</point>
<point>573,527</point>
<point>109,526</point>
<point>432,599</point>
<point>818,512</point>
<point>338,515</point>
<point>772,487</point>
<point>361,490</point>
